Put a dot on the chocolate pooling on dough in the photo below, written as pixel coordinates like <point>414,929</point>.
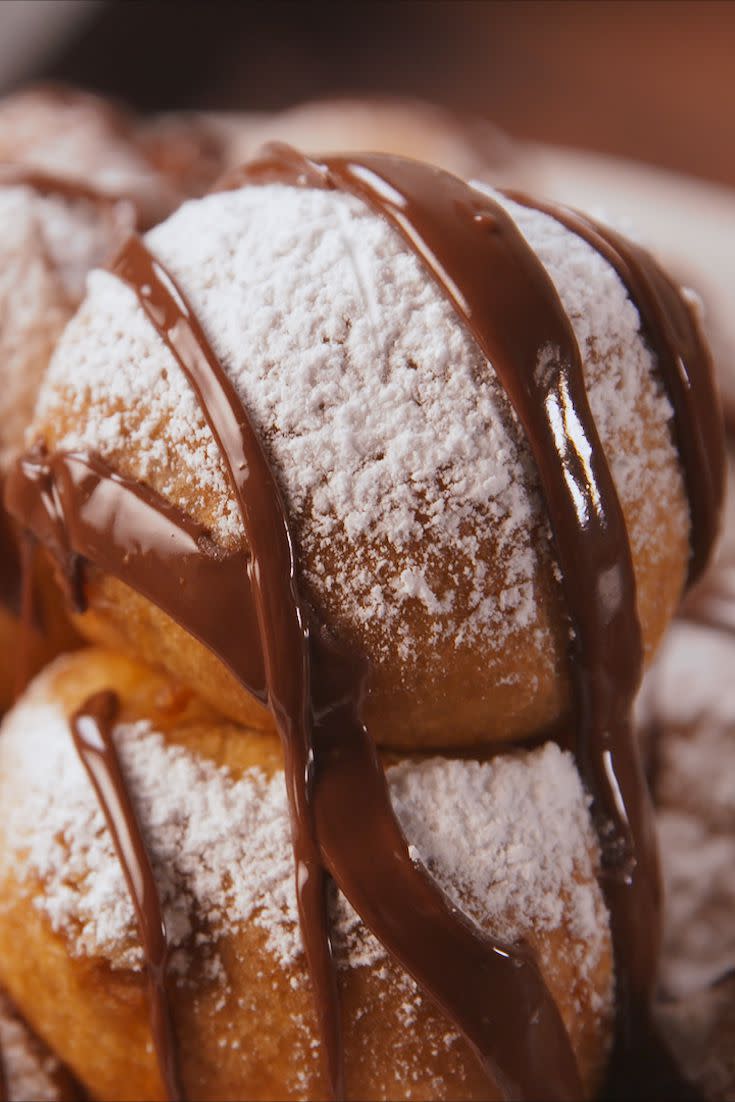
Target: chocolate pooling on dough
<point>473,250</point>
<point>92,727</point>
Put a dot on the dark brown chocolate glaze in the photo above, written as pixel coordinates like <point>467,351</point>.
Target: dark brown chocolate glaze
<point>305,715</point>
<point>524,1047</point>
<point>684,361</point>
<point>92,727</point>
<point>499,288</point>
<point>70,502</point>
<point>282,622</point>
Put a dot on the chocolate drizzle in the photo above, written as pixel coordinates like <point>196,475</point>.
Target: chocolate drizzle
<point>471,247</point>
<point>683,360</point>
<point>282,622</point>
<point>49,184</point>
<point>480,260</point>
<point>92,728</point>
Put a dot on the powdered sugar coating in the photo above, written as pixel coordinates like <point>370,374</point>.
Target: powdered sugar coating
<point>77,137</point>
<point>47,246</point>
<point>689,697</point>
<point>389,435</point>
<point>30,1069</point>
<point>509,840</point>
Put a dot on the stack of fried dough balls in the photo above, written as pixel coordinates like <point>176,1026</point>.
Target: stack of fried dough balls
<point>73,183</point>
<point>423,545</point>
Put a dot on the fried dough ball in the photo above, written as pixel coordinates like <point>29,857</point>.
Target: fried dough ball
<point>48,243</point>
<point>82,137</point>
<point>421,534</point>
<point>509,839</point>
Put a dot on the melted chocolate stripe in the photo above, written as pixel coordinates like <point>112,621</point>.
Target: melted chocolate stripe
<point>479,259</point>
<point>287,649</point>
<point>46,183</point>
<point>498,287</point>
<point>77,506</point>
<point>683,360</point>
<point>91,728</point>
<point>282,623</point>
<point>467,975</point>
<point>145,210</point>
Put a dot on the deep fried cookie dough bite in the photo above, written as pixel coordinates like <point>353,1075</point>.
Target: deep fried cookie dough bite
<point>509,839</point>
<point>422,539</point>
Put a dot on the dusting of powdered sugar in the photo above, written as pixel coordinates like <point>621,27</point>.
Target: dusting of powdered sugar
<point>47,246</point>
<point>690,703</point>
<point>390,436</point>
<point>509,840</point>
<point>30,1069</point>
<point>75,137</point>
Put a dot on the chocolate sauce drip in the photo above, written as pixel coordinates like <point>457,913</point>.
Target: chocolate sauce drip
<point>79,506</point>
<point>684,362</point>
<point>139,210</point>
<point>465,973</point>
<point>49,184</point>
<point>499,288</point>
<point>479,259</point>
<point>282,622</point>
<point>92,728</point>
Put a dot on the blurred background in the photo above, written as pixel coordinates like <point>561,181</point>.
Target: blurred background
<point>646,79</point>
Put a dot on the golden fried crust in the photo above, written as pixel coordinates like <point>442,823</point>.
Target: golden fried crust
<point>248,1031</point>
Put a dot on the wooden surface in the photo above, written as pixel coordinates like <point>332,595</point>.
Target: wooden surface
<point>650,79</point>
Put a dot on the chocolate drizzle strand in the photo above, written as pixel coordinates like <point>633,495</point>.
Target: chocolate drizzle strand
<point>684,361</point>
<point>92,727</point>
<point>269,638</point>
<point>282,623</point>
<point>474,251</point>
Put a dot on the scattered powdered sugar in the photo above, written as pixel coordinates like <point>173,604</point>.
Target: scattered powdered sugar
<point>689,702</point>
<point>391,439</point>
<point>701,1030</point>
<point>509,840</point>
<point>47,246</point>
<point>30,1069</point>
<point>77,137</point>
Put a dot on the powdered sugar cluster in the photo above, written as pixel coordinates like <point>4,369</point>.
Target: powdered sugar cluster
<point>30,1070</point>
<point>47,246</point>
<point>389,434</point>
<point>77,137</point>
<point>509,840</point>
<point>689,697</point>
